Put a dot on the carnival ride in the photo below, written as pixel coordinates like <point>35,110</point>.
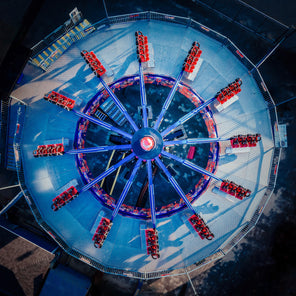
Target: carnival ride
<point>115,126</point>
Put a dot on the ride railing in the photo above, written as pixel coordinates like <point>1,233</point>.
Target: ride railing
<point>52,37</point>
<point>187,22</point>
<point>48,50</point>
<point>4,119</point>
<point>21,177</point>
<point>49,39</point>
<point>245,228</point>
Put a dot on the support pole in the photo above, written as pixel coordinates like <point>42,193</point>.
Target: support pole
<point>191,165</point>
<point>99,149</point>
<point>14,98</point>
<point>193,141</point>
<point>287,34</point>
<point>192,286</point>
<point>126,189</point>
<point>151,193</point>
<point>168,101</point>
<point>175,184</point>
<point>118,104</point>
<point>143,96</point>
<point>103,124</point>
<point>107,173</point>
<point>285,101</point>
<point>12,203</point>
<point>108,165</point>
<point>116,176</point>
<point>105,8</point>
<point>187,116</point>
<point>8,187</point>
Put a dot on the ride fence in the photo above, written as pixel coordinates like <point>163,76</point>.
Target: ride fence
<point>4,119</point>
<point>48,50</point>
<point>270,106</point>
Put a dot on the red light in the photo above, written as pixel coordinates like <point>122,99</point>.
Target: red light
<point>147,143</point>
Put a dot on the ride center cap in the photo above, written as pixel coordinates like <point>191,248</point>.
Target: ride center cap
<point>147,143</point>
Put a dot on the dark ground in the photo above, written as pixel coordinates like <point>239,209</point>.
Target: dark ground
<point>264,262</point>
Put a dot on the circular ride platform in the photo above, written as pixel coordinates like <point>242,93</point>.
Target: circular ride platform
<point>146,146</point>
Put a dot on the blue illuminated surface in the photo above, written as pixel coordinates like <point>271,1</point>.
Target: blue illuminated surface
<point>48,177</point>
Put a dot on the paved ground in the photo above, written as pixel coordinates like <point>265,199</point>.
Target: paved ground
<point>263,264</point>
<point>22,265</point>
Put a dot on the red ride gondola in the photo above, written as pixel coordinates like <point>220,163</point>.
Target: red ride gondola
<point>142,47</point>
<point>65,197</point>
<point>192,58</point>
<point>102,232</point>
<point>241,141</point>
<point>152,243</point>
<point>234,189</point>
<point>200,227</point>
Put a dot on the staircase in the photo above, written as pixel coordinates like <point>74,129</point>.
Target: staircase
<point>100,115</point>
<point>113,112</point>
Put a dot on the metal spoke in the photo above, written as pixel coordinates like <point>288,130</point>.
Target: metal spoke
<point>103,124</point>
<point>118,104</point>
<point>168,101</point>
<point>108,172</point>
<point>190,165</point>
<point>151,193</point>
<point>187,116</point>
<point>99,149</point>
<point>195,141</point>
<point>126,189</point>
<point>143,96</point>
<point>174,184</point>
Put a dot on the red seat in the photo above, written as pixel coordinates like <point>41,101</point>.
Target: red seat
<point>70,104</point>
<point>102,232</point>
<point>65,197</point>
<point>142,47</point>
<point>228,92</point>
<point>152,243</point>
<point>242,141</point>
<point>138,33</point>
<point>200,227</point>
<point>234,189</point>
<point>60,100</point>
<point>72,191</point>
<point>95,65</point>
<point>192,58</point>
<point>224,186</point>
